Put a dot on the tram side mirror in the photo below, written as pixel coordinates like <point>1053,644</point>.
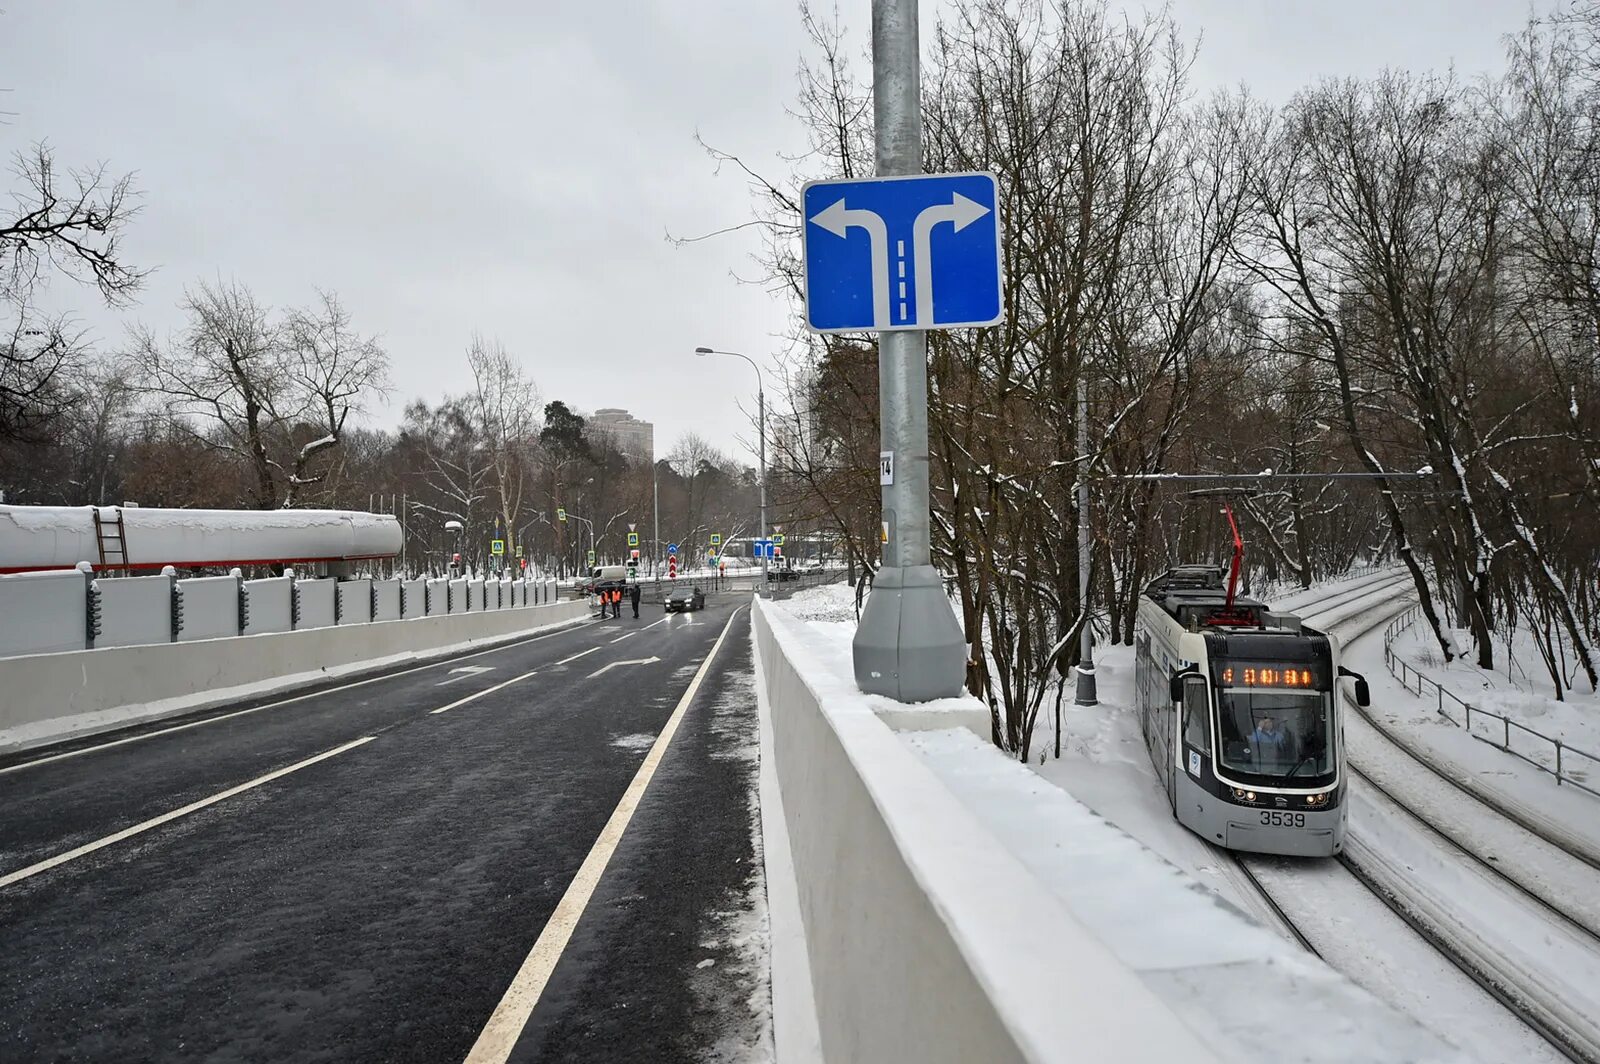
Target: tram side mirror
<point>1177,685</point>
<point>1363,692</point>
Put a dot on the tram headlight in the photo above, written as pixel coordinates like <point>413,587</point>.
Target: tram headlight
<point>1317,799</point>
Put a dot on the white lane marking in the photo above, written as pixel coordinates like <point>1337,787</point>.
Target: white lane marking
<point>286,701</point>
<point>465,671</point>
<point>499,1036</point>
<point>620,638</point>
<point>608,666</point>
<point>155,822</point>
<point>486,691</point>
<point>575,657</point>
<point>652,624</point>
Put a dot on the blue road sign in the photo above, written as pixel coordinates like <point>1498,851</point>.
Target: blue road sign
<point>763,549</point>
<point>918,252</point>
<point>672,548</point>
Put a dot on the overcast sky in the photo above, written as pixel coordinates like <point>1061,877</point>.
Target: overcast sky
<point>513,167</point>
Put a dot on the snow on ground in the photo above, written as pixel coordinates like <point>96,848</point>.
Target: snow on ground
<point>827,602</point>
<point>1519,687</point>
<point>1416,722</point>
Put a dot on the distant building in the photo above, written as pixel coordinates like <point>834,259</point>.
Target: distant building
<point>626,433</point>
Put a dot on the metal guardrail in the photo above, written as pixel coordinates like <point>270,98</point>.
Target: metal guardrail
<point>1408,676</point>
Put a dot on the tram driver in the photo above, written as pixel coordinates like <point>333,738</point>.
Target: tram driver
<point>1270,741</point>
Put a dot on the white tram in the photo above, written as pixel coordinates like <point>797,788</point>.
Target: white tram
<point>1241,716</point>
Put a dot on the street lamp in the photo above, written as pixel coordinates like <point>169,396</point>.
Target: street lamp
<point>655,490</point>
<point>761,429</point>
<point>574,517</point>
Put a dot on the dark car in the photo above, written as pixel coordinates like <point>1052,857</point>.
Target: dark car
<point>783,572</point>
<point>683,600</point>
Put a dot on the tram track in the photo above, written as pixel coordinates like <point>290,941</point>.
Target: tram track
<point>1567,1029</point>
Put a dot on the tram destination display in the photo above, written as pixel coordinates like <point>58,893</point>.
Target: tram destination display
<point>1307,675</point>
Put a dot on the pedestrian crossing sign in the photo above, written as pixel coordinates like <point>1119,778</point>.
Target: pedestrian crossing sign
<point>777,537</point>
<point>716,539</point>
<point>633,539</point>
<point>497,546</point>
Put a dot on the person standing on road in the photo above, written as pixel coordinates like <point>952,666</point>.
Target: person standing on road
<point>633,598</point>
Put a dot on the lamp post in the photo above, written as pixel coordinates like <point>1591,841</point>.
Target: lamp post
<point>655,491</point>
<point>574,517</point>
<point>761,429</point>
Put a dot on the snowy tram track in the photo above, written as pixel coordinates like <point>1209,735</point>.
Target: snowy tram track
<point>1358,930</point>
<point>1507,904</point>
<point>1547,877</point>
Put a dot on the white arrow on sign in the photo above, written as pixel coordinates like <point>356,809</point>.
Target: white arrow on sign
<point>465,671</point>
<point>837,219</point>
<point>615,664</point>
<point>962,212</point>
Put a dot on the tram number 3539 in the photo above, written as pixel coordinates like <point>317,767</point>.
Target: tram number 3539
<point>1283,820</point>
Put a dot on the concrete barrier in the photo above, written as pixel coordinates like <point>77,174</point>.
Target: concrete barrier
<point>271,605</point>
<point>134,610</point>
<point>210,608</point>
<point>316,603</point>
<point>927,940</point>
<point>45,698</point>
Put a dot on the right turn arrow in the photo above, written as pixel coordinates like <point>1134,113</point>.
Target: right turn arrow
<point>962,212</point>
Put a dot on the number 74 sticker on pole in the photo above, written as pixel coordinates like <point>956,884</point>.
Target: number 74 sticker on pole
<point>915,252</point>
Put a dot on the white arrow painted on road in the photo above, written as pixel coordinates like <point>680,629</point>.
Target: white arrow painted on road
<point>837,219</point>
<point>961,211</point>
<point>465,671</point>
<point>615,664</point>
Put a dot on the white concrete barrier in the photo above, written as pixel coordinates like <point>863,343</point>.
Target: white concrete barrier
<point>386,600</point>
<point>44,611</point>
<point>927,940</point>
<point>134,610</point>
<point>49,697</point>
<point>270,605</point>
<point>210,607</point>
<point>355,601</point>
<point>316,603</point>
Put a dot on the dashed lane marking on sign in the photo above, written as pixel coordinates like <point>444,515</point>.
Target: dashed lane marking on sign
<point>154,822</point>
<point>499,1036</point>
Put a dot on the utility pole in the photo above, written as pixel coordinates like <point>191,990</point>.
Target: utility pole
<point>761,427</point>
<point>1087,695</point>
<point>908,645</point>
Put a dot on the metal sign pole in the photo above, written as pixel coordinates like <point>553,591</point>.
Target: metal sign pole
<point>908,644</point>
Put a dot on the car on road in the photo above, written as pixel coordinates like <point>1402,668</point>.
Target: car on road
<point>682,600</point>
<point>783,572</point>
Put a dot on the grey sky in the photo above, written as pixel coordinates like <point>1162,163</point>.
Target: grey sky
<point>513,167</point>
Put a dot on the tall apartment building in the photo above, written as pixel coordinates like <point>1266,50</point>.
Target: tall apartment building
<point>627,433</point>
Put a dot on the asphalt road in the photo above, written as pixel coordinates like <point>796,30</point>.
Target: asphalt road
<point>363,873</point>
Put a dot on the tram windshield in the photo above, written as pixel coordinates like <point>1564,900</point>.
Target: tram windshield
<point>1279,734</point>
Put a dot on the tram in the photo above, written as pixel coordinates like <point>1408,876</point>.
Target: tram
<point>1241,716</point>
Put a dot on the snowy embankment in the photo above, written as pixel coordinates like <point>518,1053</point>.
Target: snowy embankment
<point>947,892</point>
<point>1531,795</point>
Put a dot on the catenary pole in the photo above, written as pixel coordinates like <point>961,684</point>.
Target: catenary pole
<point>908,645</point>
<point>1087,694</point>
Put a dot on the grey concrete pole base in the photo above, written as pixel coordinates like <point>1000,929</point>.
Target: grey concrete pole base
<point>1087,695</point>
<point>909,645</point>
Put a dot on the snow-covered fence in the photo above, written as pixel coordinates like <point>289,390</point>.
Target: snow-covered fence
<point>135,611</point>
<point>1544,752</point>
<point>210,607</point>
<point>271,605</point>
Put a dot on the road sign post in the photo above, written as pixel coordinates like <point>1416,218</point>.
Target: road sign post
<point>909,645</point>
